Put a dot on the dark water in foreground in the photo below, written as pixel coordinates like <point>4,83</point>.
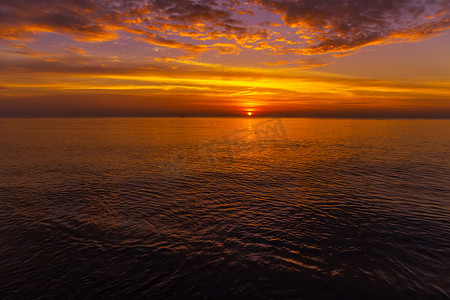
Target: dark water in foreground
<point>224,208</point>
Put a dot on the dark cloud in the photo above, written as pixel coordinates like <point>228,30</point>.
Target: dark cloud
<point>321,26</point>
<point>78,19</point>
<point>349,24</point>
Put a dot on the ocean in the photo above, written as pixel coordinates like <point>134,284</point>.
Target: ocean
<point>180,208</point>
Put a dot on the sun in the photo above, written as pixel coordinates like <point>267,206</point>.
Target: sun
<point>249,113</point>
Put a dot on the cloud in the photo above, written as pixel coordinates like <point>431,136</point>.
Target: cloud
<point>228,27</point>
<point>75,50</point>
<point>307,63</point>
<point>278,63</point>
<point>21,49</point>
<point>22,19</point>
<point>186,73</point>
<point>334,26</point>
<point>310,63</point>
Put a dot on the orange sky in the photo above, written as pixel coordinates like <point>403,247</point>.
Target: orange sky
<point>209,58</point>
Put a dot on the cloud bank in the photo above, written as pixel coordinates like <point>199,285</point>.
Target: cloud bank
<point>304,27</point>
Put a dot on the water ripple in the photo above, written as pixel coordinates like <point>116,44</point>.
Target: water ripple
<point>88,210</point>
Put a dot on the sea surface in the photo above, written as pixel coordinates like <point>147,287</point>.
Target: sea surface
<point>224,208</point>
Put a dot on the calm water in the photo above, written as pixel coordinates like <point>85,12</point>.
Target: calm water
<point>224,208</point>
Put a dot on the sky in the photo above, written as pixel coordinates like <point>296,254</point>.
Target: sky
<point>306,58</point>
